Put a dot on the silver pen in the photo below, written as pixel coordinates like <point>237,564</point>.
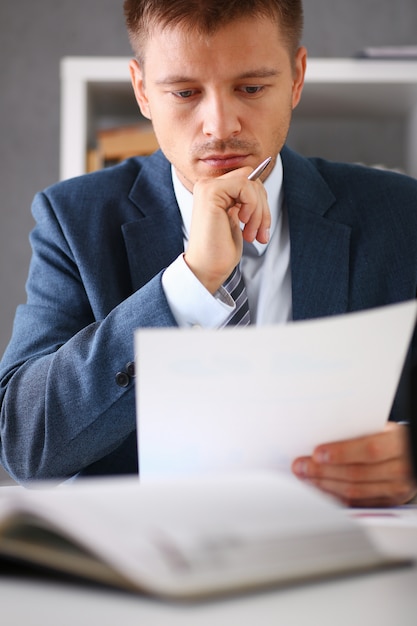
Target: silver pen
<point>258,170</point>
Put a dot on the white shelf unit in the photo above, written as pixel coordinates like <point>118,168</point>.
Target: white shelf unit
<point>96,92</point>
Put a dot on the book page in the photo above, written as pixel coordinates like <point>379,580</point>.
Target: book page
<point>191,536</point>
<point>258,397</point>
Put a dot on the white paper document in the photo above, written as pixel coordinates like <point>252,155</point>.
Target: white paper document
<point>255,398</point>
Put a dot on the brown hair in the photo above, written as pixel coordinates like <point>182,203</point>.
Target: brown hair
<point>206,16</point>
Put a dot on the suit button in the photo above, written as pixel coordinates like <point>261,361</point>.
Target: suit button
<point>130,368</point>
<point>122,379</point>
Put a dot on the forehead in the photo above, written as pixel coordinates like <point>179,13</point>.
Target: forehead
<point>257,41</point>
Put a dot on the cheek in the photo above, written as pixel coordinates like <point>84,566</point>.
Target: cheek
<point>172,129</point>
<point>171,141</point>
<point>276,136</point>
<point>162,125</point>
<point>168,141</point>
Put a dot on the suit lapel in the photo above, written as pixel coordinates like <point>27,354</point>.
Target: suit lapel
<point>319,245</point>
<point>155,239</point>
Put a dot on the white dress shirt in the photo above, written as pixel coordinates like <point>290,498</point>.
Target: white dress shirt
<point>265,267</point>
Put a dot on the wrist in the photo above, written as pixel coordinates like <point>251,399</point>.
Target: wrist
<point>211,281</point>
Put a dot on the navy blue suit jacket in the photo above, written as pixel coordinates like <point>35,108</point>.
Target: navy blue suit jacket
<point>100,245</point>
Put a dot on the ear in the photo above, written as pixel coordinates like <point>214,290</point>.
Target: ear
<point>138,83</point>
<point>300,65</point>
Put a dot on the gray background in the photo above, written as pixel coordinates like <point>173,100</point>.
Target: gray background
<point>36,34</point>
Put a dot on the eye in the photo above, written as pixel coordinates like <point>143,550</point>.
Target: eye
<point>252,90</point>
<point>184,94</point>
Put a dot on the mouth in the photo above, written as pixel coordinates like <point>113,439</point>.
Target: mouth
<point>225,161</point>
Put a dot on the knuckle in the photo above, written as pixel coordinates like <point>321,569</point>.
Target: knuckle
<point>373,450</point>
<point>401,492</point>
<point>317,471</point>
<point>351,493</point>
<point>402,472</point>
<point>354,473</point>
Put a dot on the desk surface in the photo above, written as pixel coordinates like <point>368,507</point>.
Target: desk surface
<point>383,598</point>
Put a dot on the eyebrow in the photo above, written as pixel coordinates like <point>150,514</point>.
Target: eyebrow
<point>263,72</point>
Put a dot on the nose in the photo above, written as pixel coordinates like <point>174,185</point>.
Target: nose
<point>220,117</point>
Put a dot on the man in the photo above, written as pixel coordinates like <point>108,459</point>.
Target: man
<point>151,242</point>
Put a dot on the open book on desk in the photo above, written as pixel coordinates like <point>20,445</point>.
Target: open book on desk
<point>186,538</point>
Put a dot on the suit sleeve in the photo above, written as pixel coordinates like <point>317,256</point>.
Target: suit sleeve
<point>61,408</point>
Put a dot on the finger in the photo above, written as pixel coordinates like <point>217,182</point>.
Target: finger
<point>391,443</point>
<point>383,484</point>
<point>388,493</point>
<point>252,201</point>
<point>256,216</point>
<point>398,469</point>
<point>263,234</point>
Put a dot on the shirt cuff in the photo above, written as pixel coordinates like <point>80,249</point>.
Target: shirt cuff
<point>190,302</point>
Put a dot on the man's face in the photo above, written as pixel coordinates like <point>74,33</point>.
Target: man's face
<point>222,101</point>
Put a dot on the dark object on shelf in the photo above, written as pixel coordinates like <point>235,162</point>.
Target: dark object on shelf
<point>389,53</point>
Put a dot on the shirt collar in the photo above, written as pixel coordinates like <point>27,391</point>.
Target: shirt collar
<point>273,186</point>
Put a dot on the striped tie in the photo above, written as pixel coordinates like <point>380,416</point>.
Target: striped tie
<point>235,286</point>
